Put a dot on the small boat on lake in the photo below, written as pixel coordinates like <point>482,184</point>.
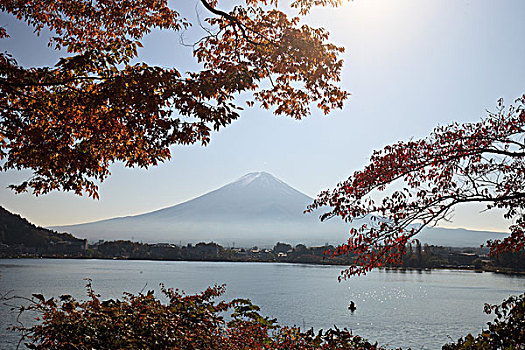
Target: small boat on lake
<point>351,306</point>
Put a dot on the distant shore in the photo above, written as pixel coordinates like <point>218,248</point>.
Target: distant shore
<point>326,261</point>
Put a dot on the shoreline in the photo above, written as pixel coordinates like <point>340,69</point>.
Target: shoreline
<point>497,270</point>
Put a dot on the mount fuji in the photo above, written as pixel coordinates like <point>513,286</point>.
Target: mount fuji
<point>257,209</point>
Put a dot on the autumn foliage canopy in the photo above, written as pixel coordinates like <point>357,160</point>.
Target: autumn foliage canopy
<point>68,123</point>
<point>425,179</point>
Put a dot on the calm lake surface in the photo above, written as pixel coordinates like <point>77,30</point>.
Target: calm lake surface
<point>421,310</point>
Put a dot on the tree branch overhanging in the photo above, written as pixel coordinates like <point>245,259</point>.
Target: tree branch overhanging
<point>70,122</point>
<point>457,164</point>
<point>236,23</point>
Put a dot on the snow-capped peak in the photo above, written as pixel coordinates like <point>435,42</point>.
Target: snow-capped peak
<point>256,176</point>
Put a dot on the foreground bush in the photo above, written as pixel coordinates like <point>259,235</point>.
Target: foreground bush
<point>506,332</point>
<point>182,322</point>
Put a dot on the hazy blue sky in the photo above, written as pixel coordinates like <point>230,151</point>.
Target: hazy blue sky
<point>410,65</point>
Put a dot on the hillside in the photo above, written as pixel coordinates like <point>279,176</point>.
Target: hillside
<point>15,230</point>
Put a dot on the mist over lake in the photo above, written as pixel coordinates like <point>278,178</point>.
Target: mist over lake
<point>417,309</point>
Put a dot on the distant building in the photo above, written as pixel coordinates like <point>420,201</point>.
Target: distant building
<point>164,245</point>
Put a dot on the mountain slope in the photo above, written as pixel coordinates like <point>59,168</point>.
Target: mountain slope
<point>256,209</point>
<point>457,237</point>
<point>256,196</point>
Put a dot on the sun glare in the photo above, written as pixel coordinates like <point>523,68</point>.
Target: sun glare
<point>380,24</point>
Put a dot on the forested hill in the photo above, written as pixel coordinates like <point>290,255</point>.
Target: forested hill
<point>16,230</point>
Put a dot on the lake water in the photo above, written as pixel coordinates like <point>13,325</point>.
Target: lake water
<point>421,310</point>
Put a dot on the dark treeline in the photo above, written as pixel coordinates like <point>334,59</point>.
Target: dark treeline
<point>416,256</point>
<point>20,238</point>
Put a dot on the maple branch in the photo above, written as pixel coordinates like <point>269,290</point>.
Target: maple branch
<point>210,33</point>
<point>502,152</point>
<point>6,82</point>
<point>448,159</point>
<point>7,85</point>
<point>237,23</point>
<point>509,141</point>
<point>480,199</point>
